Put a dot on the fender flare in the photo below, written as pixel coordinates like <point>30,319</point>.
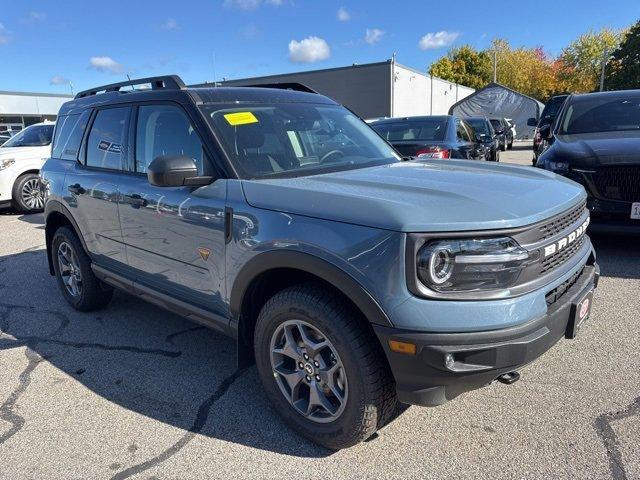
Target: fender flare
<point>323,269</point>
<point>54,206</point>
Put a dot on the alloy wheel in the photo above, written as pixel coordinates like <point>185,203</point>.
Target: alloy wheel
<point>31,194</point>
<point>69,268</point>
<point>308,370</point>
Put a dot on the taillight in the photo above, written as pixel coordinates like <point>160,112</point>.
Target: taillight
<point>434,152</point>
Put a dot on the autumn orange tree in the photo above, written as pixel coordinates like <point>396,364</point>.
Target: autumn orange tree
<point>531,70</point>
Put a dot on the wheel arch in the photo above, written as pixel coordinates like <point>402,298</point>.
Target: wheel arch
<point>57,215</point>
<point>272,271</point>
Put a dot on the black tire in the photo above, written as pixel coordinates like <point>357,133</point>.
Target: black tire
<point>93,293</point>
<point>20,194</point>
<point>510,146</point>
<point>503,147</point>
<point>371,401</point>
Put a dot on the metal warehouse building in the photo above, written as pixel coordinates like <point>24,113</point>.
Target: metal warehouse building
<point>383,89</point>
<point>21,109</point>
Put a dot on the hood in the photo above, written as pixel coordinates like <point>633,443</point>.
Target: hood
<point>26,152</point>
<point>595,149</point>
<point>430,196</point>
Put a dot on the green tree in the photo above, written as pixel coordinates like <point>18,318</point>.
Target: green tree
<point>581,61</point>
<point>623,69</point>
<point>464,65</point>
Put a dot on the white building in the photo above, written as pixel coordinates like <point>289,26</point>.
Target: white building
<point>21,109</point>
<point>383,89</point>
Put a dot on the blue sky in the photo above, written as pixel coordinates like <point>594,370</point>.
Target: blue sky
<point>44,44</point>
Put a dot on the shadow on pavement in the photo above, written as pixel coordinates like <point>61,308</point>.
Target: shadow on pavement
<point>140,357</point>
<point>618,256</point>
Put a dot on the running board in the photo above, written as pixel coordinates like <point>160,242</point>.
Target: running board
<point>184,309</point>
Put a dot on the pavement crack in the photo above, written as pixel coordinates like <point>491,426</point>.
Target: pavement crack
<point>610,439</point>
<point>6,409</point>
<point>204,410</point>
<point>172,336</point>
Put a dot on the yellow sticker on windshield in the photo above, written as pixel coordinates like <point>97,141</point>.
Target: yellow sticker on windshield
<point>240,118</point>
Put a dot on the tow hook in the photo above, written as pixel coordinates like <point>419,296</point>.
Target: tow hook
<point>509,378</point>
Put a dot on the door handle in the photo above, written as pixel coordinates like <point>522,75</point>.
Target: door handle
<point>76,189</point>
<point>136,200</point>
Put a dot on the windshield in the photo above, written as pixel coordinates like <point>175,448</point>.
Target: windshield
<point>552,107</point>
<point>600,114</point>
<point>496,124</point>
<point>293,139</point>
<point>432,129</point>
<point>479,126</point>
<point>33,136</point>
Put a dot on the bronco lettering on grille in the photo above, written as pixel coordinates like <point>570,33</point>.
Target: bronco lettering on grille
<point>567,240</point>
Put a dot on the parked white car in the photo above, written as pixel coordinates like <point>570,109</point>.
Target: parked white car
<point>21,158</point>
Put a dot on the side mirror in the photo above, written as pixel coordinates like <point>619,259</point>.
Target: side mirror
<point>480,137</point>
<point>175,171</point>
<point>532,122</point>
<point>499,131</point>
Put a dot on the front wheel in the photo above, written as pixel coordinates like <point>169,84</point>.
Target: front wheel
<point>322,369</point>
<point>27,196</point>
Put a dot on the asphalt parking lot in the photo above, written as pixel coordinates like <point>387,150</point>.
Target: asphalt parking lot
<point>136,392</point>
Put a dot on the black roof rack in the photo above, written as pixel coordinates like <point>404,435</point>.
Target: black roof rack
<point>298,87</point>
<point>171,82</point>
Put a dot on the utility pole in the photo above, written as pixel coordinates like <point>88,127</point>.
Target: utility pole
<point>605,57</point>
<point>71,87</point>
<point>495,66</point>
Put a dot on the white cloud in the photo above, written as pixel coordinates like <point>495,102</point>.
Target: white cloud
<point>309,50</point>
<point>251,4</point>
<point>343,14</point>
<point>58,80</point>
<point>4,35</point>
<point>105,64</point>
<point>34,17</point>
<point>170,24</point>
<point>437,40</point>
<point>373,35</point>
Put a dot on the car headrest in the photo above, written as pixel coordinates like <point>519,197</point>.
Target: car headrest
<point>249,136</point>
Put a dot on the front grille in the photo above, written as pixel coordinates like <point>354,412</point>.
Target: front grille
<point>618,182</point>
<point>555,260</point>
<point>554,295</point>
<point>558,224</point>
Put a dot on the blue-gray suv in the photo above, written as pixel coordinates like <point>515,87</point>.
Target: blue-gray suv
<point>354,278</point>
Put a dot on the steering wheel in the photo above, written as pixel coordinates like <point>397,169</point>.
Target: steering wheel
<point>331,153</point>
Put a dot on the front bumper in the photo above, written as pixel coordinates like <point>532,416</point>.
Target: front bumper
<point>448,364</point>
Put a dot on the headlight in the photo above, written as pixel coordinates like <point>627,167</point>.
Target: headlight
<point>559,167</point>
<point>469,265</point>
<point>6,163</point>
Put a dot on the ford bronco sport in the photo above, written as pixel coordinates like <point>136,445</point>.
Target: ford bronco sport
<point>354,279</point>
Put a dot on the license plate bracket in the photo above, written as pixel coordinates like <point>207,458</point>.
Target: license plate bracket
<point>580,312</point>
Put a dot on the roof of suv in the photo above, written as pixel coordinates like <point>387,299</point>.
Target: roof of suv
<point>168,88</point>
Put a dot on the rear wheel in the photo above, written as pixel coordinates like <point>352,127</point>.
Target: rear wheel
<point>72,266</point>
<point>27,196</point>
<point>321,368</point>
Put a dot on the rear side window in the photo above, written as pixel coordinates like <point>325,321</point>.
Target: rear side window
<point>106,144</point>
<point>69,131</point>
<point>428,129</point>
<point>165,130</point>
